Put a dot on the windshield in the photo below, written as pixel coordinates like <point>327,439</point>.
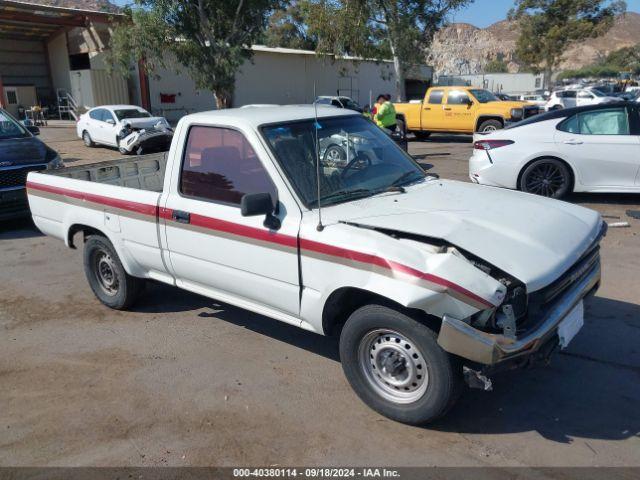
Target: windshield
<point>484,96</point>
<point>350,104</point>
<point>9,128</point>
<point>596,92</point>
<point>357,159</point>
<point>131,113</point>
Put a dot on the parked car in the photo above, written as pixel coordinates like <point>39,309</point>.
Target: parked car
<point>460,110</point>
<point>538,100</point>
<point>129,128</point>
<point>339,102</point>
<point>577,98</point>
<point>504,97</point>
<point>20,153</point>
<point>583,149</point>
<point>423,280</point>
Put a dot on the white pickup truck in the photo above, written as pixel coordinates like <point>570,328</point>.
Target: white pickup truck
<point>421,279</point>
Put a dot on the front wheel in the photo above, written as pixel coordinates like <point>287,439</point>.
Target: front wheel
<point>489,126</point>
<point>107,277</point>
<point>88,141</point>
<point>547,177</point>
<point>396,366</point>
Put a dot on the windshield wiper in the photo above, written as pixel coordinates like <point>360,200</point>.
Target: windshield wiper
<point>403,179</point>
<point>348,194</point>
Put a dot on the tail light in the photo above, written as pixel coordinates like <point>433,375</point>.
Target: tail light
<point>491,144</point>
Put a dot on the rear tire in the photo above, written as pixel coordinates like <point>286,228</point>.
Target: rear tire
<point>395,365</point>
<point>107,277</point>
<point>88,141</point>
<point>548,177</point>
<point>490,126</point>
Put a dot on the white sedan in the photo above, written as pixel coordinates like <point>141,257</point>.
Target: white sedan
<point>127,127</point>
<point>584,149</point>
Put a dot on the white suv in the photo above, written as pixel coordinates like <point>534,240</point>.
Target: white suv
<point>577,98</point>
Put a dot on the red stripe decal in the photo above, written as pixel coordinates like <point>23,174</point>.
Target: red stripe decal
<point>263,235</point>
<point>136,207</point>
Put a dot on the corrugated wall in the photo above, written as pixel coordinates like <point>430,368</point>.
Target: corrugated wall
<point>24,62</point>
<point>109,89</point>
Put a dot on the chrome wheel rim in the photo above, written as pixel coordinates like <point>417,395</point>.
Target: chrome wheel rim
<point>105,273</point>
<point>393,366</point>
<point>489,128</point>
<point>545,179</point>
<point>334,155</point>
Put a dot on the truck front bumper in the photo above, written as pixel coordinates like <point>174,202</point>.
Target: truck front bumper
<point>460,338</point>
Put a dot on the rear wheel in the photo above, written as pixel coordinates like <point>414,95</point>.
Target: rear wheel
<point>86,138</point>
<point>396,366</point>
<point>548,177</point>
<point>107,277</point>
<point>422,135</point>
<point>490,126</point>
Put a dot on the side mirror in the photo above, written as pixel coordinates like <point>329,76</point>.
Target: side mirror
<point>469,102</point>
<point>254,204</point>
<point>110,121</point>
<point>33,129</point>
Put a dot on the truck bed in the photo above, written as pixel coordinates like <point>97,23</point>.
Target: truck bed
<point>143,173</point>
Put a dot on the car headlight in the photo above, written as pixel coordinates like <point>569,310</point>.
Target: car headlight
<point>517,113</point>
<point>53,160</point>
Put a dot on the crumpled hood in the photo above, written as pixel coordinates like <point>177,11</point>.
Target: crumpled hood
<point>535,239</point>
<point>144,122</point>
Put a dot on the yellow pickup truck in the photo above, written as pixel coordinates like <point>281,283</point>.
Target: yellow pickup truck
<point>460,110</point>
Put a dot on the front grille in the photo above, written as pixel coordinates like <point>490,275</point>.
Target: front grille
<point>17,177</point>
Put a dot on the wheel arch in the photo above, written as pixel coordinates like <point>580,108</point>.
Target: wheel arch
<point>484,118</point>
<point>86,230</point>
<point>572,172</point>
<point>341,303</point>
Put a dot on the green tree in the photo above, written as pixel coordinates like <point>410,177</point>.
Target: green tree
<point>210,38</point>
<point>400,29</point>
<point>549,27</point>
<point>626,59</point>
<point>496,66</point>
<point>287,29</point>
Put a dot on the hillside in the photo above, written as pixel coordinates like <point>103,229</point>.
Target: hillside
<point>461,48</point>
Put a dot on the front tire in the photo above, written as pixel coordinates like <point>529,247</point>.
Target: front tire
<point>489,126</point>
<point>107,277</point>
<point>547,177</point>
<point>395,365</point>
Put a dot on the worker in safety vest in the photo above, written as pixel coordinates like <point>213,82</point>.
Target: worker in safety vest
<point>385,115</point>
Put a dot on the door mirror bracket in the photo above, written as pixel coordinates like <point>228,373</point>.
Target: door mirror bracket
<point>254,204</point>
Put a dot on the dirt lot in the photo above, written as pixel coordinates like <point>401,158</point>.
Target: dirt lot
<point>184,380</point>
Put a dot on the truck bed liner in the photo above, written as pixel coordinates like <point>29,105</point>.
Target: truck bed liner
<point>145,172</point>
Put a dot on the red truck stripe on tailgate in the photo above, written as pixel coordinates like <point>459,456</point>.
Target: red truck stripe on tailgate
<point>264,235</point>
<point>142,208</point>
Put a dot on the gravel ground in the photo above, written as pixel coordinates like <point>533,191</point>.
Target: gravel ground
<point>184,380</point>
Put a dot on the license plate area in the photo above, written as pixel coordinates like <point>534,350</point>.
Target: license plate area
<point>571,325</point>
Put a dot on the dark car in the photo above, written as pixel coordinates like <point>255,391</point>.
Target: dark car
<point>20,153</point>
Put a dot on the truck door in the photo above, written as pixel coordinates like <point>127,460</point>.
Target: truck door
<point>432,116</point>
<point>213,249</point>
<point>459,112</point>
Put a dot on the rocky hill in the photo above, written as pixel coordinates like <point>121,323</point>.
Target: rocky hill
<point>461,49</point>
<point>95,5</point>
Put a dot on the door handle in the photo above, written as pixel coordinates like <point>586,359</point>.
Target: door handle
<point>573,142</point>
<point>446,108</point>
<point>180,216</point>
<point>427,108</point>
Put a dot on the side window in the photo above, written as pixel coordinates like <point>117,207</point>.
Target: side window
<point>220,165</point>
<point>585,95</point>
<point>601,122</point>
<point>435,97</point>
<point>457,97</point>
<point>96,114</point>
<point>570,94</point>
<point>106,116</point>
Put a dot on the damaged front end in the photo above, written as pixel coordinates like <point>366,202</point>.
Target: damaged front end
<point>132,139</point>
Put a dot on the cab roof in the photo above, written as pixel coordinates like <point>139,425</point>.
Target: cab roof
<point>257,116</point>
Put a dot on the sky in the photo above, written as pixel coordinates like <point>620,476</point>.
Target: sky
<point>483,13</point>
<point>480,13</point>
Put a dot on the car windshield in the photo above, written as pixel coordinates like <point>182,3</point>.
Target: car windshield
<point>9,128</point>
<point>484,96</point>
<point>597,92</point>
<point>357,159</point>
<point>348,103</point>
<point>131,113</point>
